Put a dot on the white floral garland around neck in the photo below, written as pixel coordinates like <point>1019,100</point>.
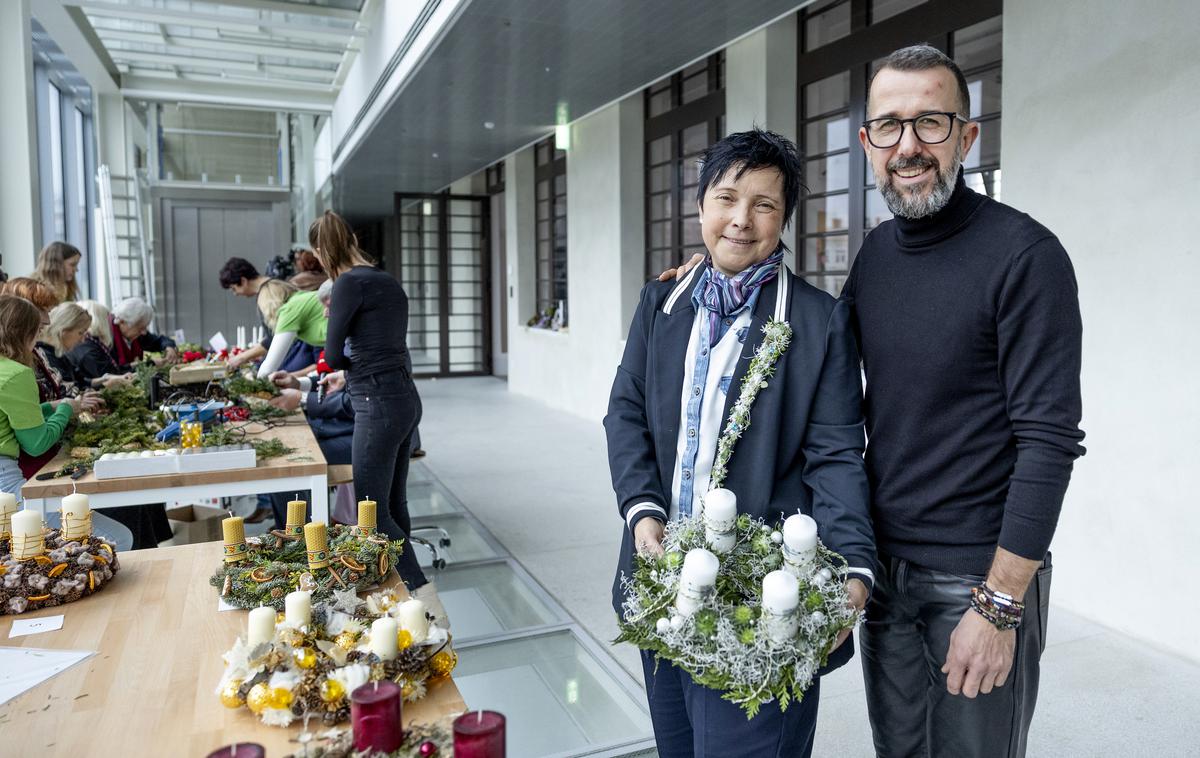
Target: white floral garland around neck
<point>777,337</point>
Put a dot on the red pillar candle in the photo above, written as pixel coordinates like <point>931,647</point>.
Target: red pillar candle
<point>375,715</point>
<point>239,750</point>
<point>479,734</point>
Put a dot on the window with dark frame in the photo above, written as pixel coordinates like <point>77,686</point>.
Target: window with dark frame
<point>685,113</point>
<point>835,62</point>
<point>550,177</point>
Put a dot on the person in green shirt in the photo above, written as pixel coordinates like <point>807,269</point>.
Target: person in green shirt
<point>291,315</point>
<point>25,423</point>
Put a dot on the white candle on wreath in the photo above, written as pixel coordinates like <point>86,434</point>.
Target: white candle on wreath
<point>261,626</point>
<point>720,520</point>
<point>411,616</point>
<point>27,539</point>
<point>297,608</point>
<point>780,599</point>
<point>383,638</point>
<point>697,579</point>
<point>75,522</point>
<point>8,506</point>
<point>799,543</point>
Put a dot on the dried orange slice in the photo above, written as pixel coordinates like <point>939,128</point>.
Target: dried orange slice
<point>352,564</point>
<point>261,575</point>
<point>383,564</point>
<point>57,570</point>
<point>106,548</point>
<point>91,581</point>
<point>98,557</point>
<point>42,560</point>
<point>38,598</point>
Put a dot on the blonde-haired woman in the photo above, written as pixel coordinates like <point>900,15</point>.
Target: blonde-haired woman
<point>68,326</point>
<point>93,356</point>
<point>291,315</point>
<point>57,264</point>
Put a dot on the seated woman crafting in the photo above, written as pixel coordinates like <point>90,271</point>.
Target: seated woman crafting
<point>688,350</point>
<point>291,315</point>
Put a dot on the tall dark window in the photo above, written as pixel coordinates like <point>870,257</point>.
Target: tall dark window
<point>685,113</point>
<point>842,43</point>
<point>550,175</point>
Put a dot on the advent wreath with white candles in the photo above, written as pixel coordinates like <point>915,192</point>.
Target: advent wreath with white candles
<point>742,607</point>
<point>43,568</point>
<point>306,662</point>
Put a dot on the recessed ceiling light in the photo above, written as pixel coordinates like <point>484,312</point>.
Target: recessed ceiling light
<point>489,125</point>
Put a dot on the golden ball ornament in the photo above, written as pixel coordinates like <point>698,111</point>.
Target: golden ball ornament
<point>280,618</point>
<point>332,691</point>
<point>230,695</point>
<point>404,639</point>
<point>281,698</point>
<point>443,663</point>
<point>346,640</point>
<point>258,698</point>
<point>305,657</point>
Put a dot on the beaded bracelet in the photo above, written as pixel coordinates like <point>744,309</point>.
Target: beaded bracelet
<point>1001,610</point>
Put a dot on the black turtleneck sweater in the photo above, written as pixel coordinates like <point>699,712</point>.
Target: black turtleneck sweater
<point>969,326</point>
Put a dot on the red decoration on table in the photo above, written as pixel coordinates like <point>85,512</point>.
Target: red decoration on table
<point>239,750</point>
<point>479,734</point>
<point>375,716</point>
<point>428,749</point>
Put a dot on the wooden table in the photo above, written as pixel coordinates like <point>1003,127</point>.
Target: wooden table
<point>304,469</point>
<point>150,689</point>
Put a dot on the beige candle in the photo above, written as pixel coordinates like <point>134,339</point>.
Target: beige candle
<point>297,608</point>
<point>76,517</point>
<point>8,506</point>
<point>316,540</point>
<point>297,511</point>
<point>411,615</point>
<point>366,517</point>
<point>27,539</point>
<point>262,626</point>
<point>384,642</point>
<point>234,530</point>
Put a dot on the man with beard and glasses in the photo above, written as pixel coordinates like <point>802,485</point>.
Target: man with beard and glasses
<point>967,315</point>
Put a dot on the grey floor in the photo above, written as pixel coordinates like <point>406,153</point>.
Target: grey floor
<point>538,481</point>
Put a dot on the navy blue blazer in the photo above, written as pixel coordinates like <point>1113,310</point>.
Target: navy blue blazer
<point>331,417</point>
<point>804,448</point>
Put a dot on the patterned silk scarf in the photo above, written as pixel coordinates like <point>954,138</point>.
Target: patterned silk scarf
<point>725,297</point>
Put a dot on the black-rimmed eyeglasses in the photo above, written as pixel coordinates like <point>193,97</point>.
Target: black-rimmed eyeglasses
<point>931,128</point>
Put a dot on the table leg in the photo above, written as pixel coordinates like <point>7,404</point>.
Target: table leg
<point>320,498</point>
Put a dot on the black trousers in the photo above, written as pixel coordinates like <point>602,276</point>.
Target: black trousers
<point>387,410</point>
<point>693,721</point>
<point>904,642</point>
<point>337,451</point>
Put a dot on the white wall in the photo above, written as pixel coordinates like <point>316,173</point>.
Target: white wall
<point>1099,97</point>
<point>18,143</point>
<point>573,370</point>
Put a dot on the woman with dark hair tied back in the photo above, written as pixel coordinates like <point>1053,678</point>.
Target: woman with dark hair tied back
<point>368,321</point>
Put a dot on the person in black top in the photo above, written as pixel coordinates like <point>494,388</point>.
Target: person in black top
<point>969,324</point>
<point>68,325</point>
<point>368,321</point>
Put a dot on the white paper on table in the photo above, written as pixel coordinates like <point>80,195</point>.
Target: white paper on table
<point>22,668</point>
<point>223,606</point>
<point>179,337</point>
<point>22,627</point>
<point>217,342</point>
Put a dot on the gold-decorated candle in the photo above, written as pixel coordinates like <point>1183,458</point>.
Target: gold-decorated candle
<point>234,529</point>
<point>76,517</point>
<point>366,517</point>
<point>297,511</point>
<point>27,539</point>
<point>8,506</point>
<point>262,626</point>
<point>316,542</point>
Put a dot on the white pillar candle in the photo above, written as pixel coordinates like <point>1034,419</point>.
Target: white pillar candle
<point>297,608</point>
<point>720,518</point>
<point>8,506</point>
<point>262,626</point>
<point>780,598</point>
<point>411,616</point>
<point>76,521</point>
<point>27,540</point>
<point>383,638</point>
<point>696,579</point>
<point>799,542</point>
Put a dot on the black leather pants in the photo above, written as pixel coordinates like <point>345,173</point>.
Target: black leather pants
<point>904,642</point>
